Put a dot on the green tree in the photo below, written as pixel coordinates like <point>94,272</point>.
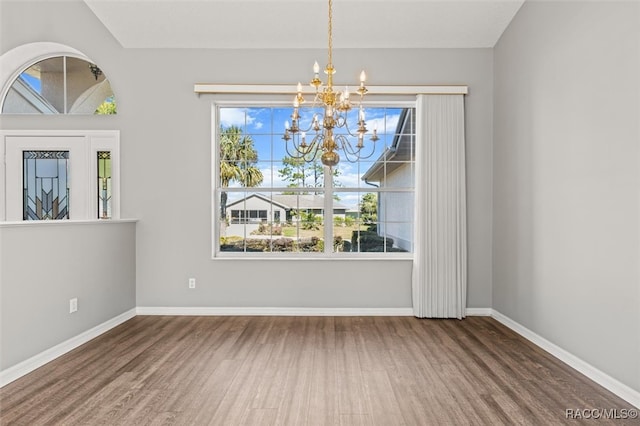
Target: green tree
<point>369,207</point>
<point>238,158</point>
<point>297,172</point>
<point>300,173</point>
<point>108,107</point>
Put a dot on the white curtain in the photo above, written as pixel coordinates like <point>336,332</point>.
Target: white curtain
<point>440,258</point>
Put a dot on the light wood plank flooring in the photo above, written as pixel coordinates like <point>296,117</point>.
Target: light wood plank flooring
<point>161,370</point>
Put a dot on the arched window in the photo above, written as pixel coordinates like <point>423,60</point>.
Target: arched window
<point>49,78</point>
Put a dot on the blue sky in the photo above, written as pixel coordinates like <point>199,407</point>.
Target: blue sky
<point>34,82</point>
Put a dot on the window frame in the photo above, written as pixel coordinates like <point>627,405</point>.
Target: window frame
<point>275,100</point>
<point>85,175</point>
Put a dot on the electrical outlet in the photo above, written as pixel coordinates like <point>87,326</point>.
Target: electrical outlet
<point>192,283</point>
<point>73,305</point>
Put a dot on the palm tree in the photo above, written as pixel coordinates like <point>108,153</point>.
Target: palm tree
<point>237,162</point>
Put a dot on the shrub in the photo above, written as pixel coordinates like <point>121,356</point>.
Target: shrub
<point>341,245</point>
<point>266,229</point>
<point>310,221</point>
<point>370,241</point>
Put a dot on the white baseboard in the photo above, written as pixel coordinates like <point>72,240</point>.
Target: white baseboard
<point>620,389</point>
<point>12,373</point>
<point>267,311</point>
<point>479,312</point>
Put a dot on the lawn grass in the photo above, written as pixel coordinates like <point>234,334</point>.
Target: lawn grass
<point>338,231</point>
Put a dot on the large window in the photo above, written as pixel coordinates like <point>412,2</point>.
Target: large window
<point>267,201</point>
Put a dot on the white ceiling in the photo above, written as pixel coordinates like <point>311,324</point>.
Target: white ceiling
<point>303,23</point>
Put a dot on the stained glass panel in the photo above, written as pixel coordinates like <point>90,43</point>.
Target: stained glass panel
<point>104,184</point>
<point>45,185</point>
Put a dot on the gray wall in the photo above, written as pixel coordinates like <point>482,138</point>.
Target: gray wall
<point>42,266</point>
<point>165,148</point>
<point>566,181</point>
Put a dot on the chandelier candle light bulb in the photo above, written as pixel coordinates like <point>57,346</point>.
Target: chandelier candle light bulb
<point>336,105</point>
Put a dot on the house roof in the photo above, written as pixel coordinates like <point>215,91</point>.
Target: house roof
<point>292,201</point>
<point>402,149</point>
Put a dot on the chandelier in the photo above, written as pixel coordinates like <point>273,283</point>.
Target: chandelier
<point>336,104</point>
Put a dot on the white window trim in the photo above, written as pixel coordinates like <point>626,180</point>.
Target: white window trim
<point>87,176</point>
<point>230,101</point>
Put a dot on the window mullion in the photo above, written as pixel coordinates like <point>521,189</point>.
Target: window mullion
<point>328,210</point>
<point>64,84</point>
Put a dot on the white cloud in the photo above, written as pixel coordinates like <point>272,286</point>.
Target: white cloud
<point>349,178</point>
<point>235,117</point>
<point>384,126</point>
<point>271,178</point>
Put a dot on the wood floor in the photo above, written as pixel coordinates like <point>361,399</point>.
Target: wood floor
<point>304,370</point>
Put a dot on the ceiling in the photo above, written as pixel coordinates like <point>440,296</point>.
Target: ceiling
<point>264,24</point>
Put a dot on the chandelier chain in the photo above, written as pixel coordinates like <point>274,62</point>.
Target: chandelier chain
<point>330,31</point>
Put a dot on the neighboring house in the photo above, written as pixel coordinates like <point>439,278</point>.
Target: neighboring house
<point>395,169</point>
<point>259,208</point>
<point>352,213</point>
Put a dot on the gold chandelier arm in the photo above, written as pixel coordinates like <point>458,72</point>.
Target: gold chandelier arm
<point>354,154</point>
<point>308,153</point>
<point>344,124</point>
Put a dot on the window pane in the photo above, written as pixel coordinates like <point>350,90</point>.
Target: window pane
<point>394,220</point>
<point>381,222</point>
<point>392,164</point>
<point>272,222</point>
<point>104,185</point>
<point>348,222</point>
<point>39,89</point>
<point>88,89</point>
<point>45,185</point>
<point>344,229</point>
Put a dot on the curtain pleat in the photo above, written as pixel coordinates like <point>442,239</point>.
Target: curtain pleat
<point>440,260</point>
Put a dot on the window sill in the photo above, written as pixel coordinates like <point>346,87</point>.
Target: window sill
<point>320,257</point>
<point>15,224</point>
